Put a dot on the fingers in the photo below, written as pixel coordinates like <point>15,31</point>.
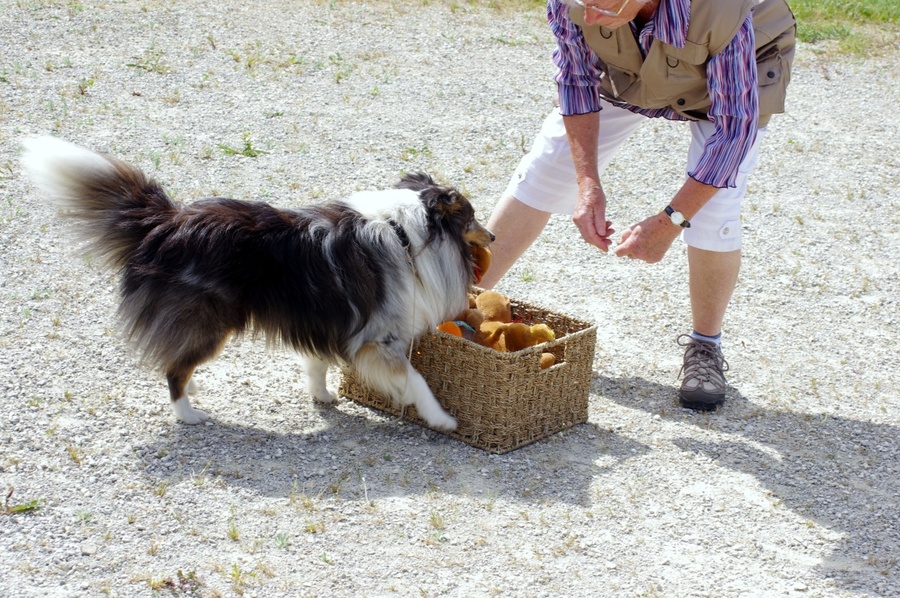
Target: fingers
<point>595,235</point>
<point>624,248</point>
<point>643,242</point>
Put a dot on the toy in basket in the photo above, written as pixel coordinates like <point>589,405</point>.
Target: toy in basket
<point>502,399</point>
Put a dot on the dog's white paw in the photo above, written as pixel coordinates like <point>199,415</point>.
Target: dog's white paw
<point>324,396</point>
<point>187,414</point>
<point>440,421</point>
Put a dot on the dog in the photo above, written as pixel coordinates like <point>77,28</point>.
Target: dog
<point>351,281</point>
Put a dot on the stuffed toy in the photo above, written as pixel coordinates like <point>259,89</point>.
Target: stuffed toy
<point>472,316</point>
<point>488,322</point>
<point>520,336</point>
<point>496,313</point>
<point>466,324</point>
<point>482,257</point>
<point>547,359</point>
<point>494,307</point>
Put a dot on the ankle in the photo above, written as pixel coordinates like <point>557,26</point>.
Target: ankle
<point>715,340</point>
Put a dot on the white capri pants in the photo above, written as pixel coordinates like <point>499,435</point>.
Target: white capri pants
<point>545,178</point>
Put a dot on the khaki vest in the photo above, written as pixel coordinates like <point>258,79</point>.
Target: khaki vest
<point>676,77</point>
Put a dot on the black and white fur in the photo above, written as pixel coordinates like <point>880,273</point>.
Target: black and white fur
<point>350,281</point>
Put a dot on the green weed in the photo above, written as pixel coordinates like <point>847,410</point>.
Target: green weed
<point>248,150</point>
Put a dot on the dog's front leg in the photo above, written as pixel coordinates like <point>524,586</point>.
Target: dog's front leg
<point>386,369</point>
<point>316,371</point>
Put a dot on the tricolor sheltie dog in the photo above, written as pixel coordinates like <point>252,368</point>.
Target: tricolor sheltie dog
<point>350,281</point>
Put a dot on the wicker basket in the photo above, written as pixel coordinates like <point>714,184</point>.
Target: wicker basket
<point>502,401</point>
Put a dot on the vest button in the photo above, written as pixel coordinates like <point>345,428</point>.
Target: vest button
<point>770,74</point>
<point>681,102</point>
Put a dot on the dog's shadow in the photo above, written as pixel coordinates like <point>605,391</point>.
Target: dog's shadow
<point>356,453</point>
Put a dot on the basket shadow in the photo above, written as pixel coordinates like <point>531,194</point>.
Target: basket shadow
<point>833,471</point>
<point>357,453</point>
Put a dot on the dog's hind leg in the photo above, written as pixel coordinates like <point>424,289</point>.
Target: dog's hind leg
<point>387,370</point>
<point>316,370</point>
<point>180,384</point>
<point>195,350</point>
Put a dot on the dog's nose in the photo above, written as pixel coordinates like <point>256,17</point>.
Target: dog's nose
<point>493,237</point>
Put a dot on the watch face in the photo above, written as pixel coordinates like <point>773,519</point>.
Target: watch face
<point>677,218</point>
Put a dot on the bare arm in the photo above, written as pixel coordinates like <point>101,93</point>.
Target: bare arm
<point>590,209</point>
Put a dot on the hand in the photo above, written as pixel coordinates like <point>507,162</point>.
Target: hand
<point>590,218</point>
<point>648,240</point>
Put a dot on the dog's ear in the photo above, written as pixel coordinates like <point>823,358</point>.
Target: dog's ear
<point>445,202</point>
<point>416,181</point>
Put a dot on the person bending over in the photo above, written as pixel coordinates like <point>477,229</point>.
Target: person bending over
<point>722,67</point>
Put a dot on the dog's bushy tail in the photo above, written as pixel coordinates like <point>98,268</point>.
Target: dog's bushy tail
<point>115,203</point>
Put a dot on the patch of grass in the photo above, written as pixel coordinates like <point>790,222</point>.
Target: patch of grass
<point>411,153</point>
<point>248,150</point>
<point>343,69</point>
<point>152,61</point>
<point>161,489</point>
<point>233,532</point>
<point>74,454</point>
<point>240,579</point>
<point>314,527</point>
<point>251,57</point>
<point>184,584</point>
<point>857,27</point>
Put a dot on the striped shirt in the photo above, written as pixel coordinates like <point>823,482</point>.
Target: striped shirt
<point>730,75</point>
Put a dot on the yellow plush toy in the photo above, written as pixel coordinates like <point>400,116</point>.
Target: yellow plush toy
<point>522,336</point>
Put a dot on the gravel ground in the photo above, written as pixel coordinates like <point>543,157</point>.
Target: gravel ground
<point>791,489</point>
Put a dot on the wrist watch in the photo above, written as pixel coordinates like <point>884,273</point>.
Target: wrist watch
<point>677,217</point>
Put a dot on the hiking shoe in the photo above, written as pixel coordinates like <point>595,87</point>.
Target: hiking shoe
<point>703,386</point>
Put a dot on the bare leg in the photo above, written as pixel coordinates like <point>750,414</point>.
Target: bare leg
<point>516,226</point>
<point>713,276</point>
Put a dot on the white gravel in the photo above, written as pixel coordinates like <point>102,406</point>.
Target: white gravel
<point>791,489</point>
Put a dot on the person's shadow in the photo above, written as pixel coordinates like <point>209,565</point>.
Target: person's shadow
<point>837,473</point>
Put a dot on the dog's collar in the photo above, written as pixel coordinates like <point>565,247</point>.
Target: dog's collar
<point>401,234</point>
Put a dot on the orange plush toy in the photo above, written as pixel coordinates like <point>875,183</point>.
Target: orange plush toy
<point>482,257</point>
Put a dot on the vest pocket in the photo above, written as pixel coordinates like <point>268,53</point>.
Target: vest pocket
<point>773,75</point>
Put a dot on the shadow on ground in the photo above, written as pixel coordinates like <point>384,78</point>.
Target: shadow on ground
<point>839,473</point>
<point>357,453</point>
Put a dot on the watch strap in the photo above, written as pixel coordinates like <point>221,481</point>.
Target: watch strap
<point>685,223</point>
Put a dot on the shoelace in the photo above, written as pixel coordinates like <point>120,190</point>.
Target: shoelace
<point>701,359</point>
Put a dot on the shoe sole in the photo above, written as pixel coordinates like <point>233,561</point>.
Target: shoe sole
<point>706,404</point>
